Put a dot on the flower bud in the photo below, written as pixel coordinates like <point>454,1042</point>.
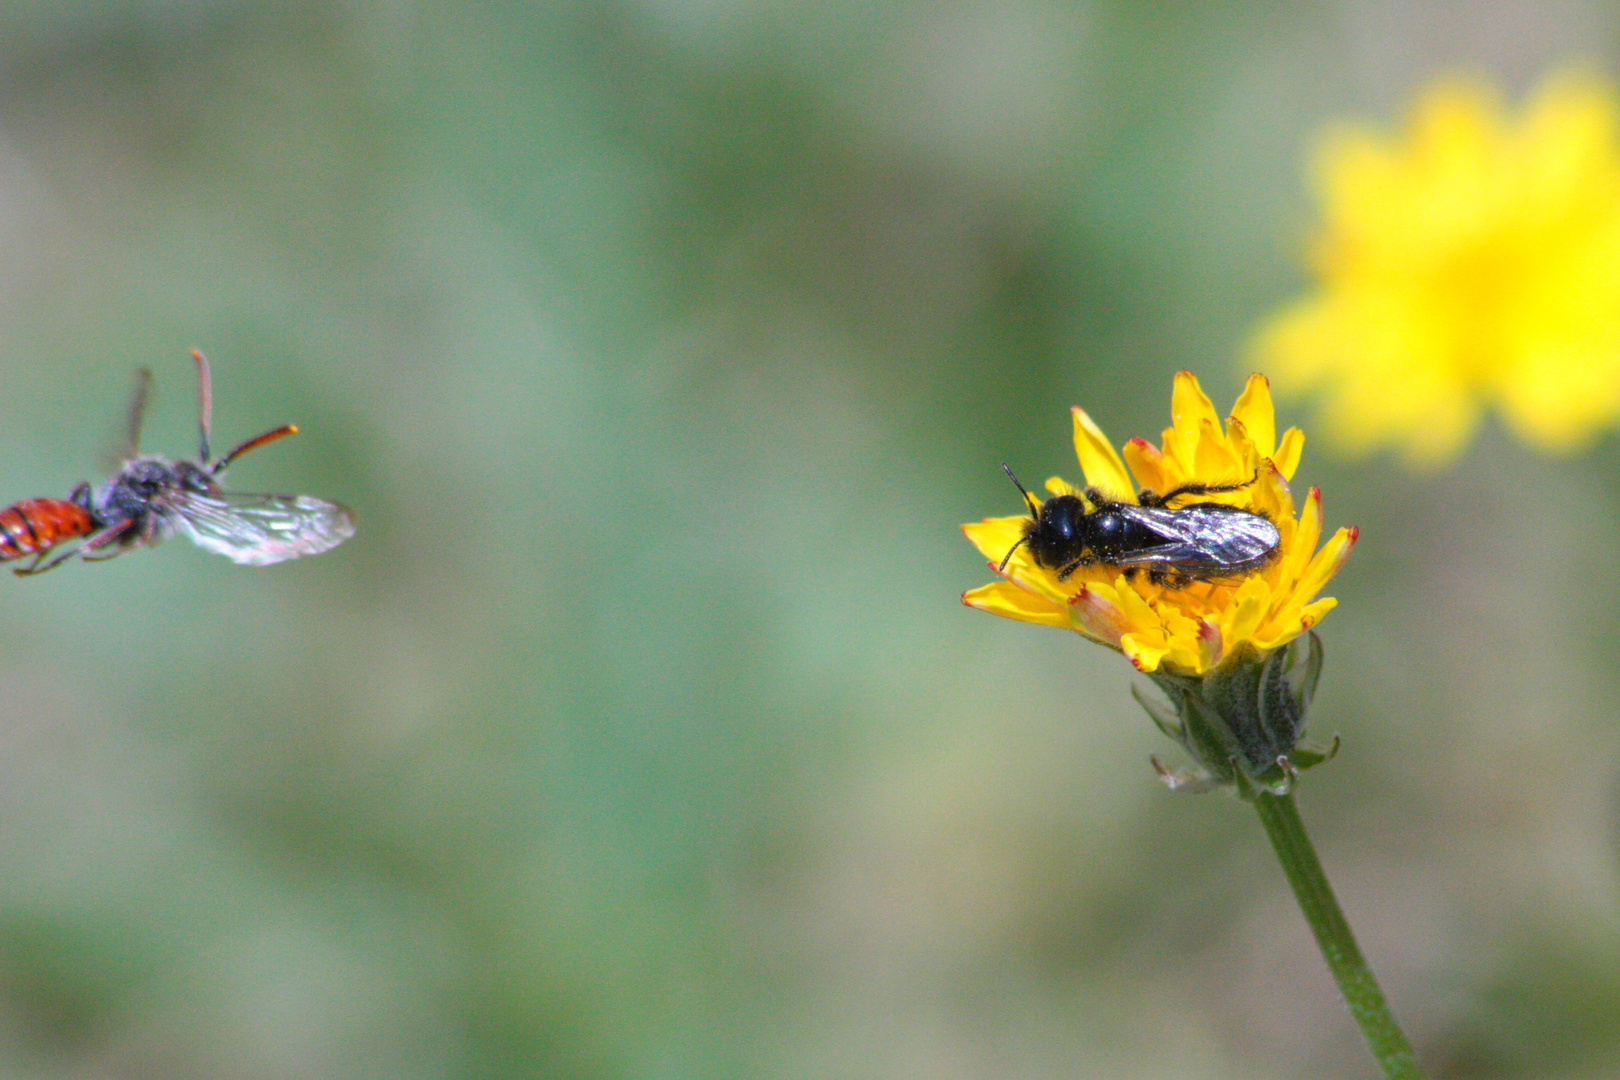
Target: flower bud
<point>1242,721</point>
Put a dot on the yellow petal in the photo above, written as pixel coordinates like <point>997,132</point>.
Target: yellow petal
<point>1237,437</point>
<point>1270,495</point>
<point>1313,612</point>
<point>1056,485</point>
<point>1184,654</point>
<point>1145,651</point>
<point>1098,461</point>
<point>1327,562</point>
<point>1248,608</point>
<point>1147,465</point>
<point>994,537</point>
<point>1255,412</point>
<point>1190,408</point>
<point>1308,530</point>
<point>1010,602</point>
<point>1095,611</point>
<point>1210,641</point>
<point>1288,451</point>
<point>1299,546</point>
<point>1208,456</point>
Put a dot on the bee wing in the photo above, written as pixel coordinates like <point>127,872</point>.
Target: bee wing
<point>257,530</point>
<point>1210,536</point>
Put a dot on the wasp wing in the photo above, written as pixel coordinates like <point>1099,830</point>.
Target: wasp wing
<point>1205,539</point>
<point>257,530</point>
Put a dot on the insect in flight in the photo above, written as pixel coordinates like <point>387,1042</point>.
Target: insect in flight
<point>1175,545</point>
<point>151,497</point>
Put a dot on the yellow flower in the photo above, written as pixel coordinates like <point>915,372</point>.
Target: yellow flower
<point>1469,260</point>
<point>1187,630</point>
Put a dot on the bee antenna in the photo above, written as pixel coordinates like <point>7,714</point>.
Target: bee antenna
<point>1008,558</point>
<point>1029,500</point>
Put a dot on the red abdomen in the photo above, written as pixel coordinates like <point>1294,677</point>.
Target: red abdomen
<point>35,525</point>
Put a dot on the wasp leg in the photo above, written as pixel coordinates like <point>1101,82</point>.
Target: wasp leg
<point>97,541</point>
<point>35,568</point>
<point>1147,497</point>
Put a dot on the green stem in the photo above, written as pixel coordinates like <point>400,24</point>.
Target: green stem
<point>1333,936</point>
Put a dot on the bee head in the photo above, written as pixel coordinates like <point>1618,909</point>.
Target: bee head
<point>1053,529</point>
<point>1060,531</point>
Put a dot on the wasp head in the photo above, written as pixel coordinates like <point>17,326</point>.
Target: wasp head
<point>195,478</point>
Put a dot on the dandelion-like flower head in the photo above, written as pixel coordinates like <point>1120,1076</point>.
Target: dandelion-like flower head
<point>1185,629</point>
<point>1470,260</point>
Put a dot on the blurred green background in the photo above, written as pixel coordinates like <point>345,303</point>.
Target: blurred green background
<point>660,347</point>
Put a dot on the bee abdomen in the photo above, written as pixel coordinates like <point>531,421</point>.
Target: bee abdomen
<point>36,525</point>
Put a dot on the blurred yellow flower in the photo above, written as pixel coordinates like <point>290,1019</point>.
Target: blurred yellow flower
<point>1471,259</point>
<point>1183,630</point>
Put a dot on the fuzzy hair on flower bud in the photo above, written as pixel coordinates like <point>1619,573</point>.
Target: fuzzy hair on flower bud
<point>1242,722</point>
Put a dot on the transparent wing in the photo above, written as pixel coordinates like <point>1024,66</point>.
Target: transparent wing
<point>257,530</point>
<point>1210,536</point>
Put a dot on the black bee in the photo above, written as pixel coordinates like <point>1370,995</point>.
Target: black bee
<point>1175,545</point>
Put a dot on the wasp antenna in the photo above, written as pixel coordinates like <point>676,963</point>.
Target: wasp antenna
<point>1029,500</point>
<point>252,444</point>
<point>205,401</point>
<point>137,409</point>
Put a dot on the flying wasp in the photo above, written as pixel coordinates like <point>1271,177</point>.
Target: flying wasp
<point>151,497</point>
<point>1174,545</point>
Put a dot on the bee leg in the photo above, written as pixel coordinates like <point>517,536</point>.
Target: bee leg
<point>1169,579</point>
<point>1064,571</point>
<point>1147,497</point>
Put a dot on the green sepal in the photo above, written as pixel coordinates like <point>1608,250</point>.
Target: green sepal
<point>1162,713</point>
<point>1242,722</point>
<point>1306,756</point>
<point>1192,781</point>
